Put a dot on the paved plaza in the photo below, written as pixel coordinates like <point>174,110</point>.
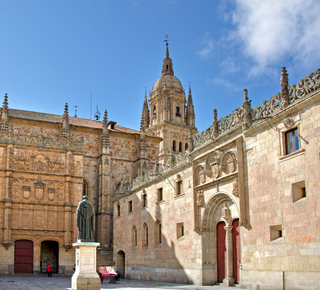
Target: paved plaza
<point>37,282</point>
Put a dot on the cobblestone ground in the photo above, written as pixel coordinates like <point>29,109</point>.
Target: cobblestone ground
<point>37,282</point>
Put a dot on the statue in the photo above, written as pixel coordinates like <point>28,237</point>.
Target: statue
<point>85,220</point>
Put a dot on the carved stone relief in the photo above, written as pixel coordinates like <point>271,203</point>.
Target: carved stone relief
<point>235,188</point>
<point>200,198</point>
<point>32,160</point>
<point>26,191</point>
<point>39,189</point>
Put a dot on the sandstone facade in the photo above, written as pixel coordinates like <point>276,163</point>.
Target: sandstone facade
<point>239,206</point>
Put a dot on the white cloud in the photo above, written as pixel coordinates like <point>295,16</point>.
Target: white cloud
<point>206,46</point>
<point>272,30</point>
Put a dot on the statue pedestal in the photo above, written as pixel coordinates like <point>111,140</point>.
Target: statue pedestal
<point>85,277</point>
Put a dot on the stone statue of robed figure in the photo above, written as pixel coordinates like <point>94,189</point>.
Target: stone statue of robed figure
<point>85,220</point>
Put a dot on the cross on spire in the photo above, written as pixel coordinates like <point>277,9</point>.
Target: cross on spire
<point>166,39</point>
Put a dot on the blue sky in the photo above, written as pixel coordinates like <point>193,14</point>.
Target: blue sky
<point>63,51</point>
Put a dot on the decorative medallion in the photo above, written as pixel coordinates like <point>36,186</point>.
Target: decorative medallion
<point>288,123</point>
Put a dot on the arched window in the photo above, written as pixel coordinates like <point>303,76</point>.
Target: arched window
<point>158,233</point>
<point>186,146</point>
<point>180,146</point>
<point>145,235</point>
<point>118,209</point>
<point>134,237</point>
<point>174,146</point>
<point>85,188</point>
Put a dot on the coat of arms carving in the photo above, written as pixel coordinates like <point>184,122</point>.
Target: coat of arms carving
<point>39,185</point>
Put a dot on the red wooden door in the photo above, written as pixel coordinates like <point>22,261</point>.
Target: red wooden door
<point>221,251</point>
<point>23,256</point>
<point>236,250</point>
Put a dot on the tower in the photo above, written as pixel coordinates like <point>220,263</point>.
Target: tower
<point>170,117</point>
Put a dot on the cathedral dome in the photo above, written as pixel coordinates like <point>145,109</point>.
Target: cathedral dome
<point>168,81</point>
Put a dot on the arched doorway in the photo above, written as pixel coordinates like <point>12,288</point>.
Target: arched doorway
<point>221,251</point>
<point>236,250</point>
<point>120,263</point>
<point>49,255</point>
<point>23,256</point>
<point>220,232</point>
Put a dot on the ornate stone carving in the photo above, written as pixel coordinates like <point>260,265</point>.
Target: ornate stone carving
<point>39,187</point>
<point>26,192</point>
<point>51,193</point>
<point>225,213</point>
<point>235,187</point>
<point>288,123</point>
<point>200,198</point>
<point>231,163</point>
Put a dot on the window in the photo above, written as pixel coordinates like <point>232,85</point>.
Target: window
<point>178,114</point>
<point>84,188</point>
<point>160,194</point>
<point>292,141</point>
<point>144,200</point>
<point>298,190</point>
<point>186,146</point>
<point>179,187</point>
<point>180,230</point>
<point>145,240</point>
<point>275,232</point>
<point>134,237</point>
<point>154,112</point>
<point>130,208</point>
<point>180,146</point>
<point>174,146</point>
<point>118,209</point>
<point>158,233</point>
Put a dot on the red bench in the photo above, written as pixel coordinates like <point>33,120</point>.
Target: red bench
<point>106,271</point>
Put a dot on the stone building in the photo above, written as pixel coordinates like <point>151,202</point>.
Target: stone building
<point>239,206</point>
<point>48,162</point>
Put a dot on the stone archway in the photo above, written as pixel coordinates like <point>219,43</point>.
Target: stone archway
<point>121,263</point>
<point>49,255</point>
<point>219,233</point>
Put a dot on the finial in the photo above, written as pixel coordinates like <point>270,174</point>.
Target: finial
<point>5,102</point>
<point>105,118</point>
<point>215,115</point>
<point>245,95</point>
<point>75,111</point>
<point>97,114</point>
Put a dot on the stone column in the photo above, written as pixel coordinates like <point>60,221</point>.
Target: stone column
<point>229,280</point>
<point>85,277</point>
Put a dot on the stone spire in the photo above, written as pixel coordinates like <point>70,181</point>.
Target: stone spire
<point>143,154</point>
<point>247,114</point>
<point>105,140</point>
<point>145,111</point>
<point>167,68</point>
<point>284,83</point>
<point>4,125</point>
<point>190,116</point>
<point>65,122</point>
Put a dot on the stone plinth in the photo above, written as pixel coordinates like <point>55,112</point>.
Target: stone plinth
<point>85,276</point>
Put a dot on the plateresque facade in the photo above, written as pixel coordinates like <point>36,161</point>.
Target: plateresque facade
<point>235,204</point>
